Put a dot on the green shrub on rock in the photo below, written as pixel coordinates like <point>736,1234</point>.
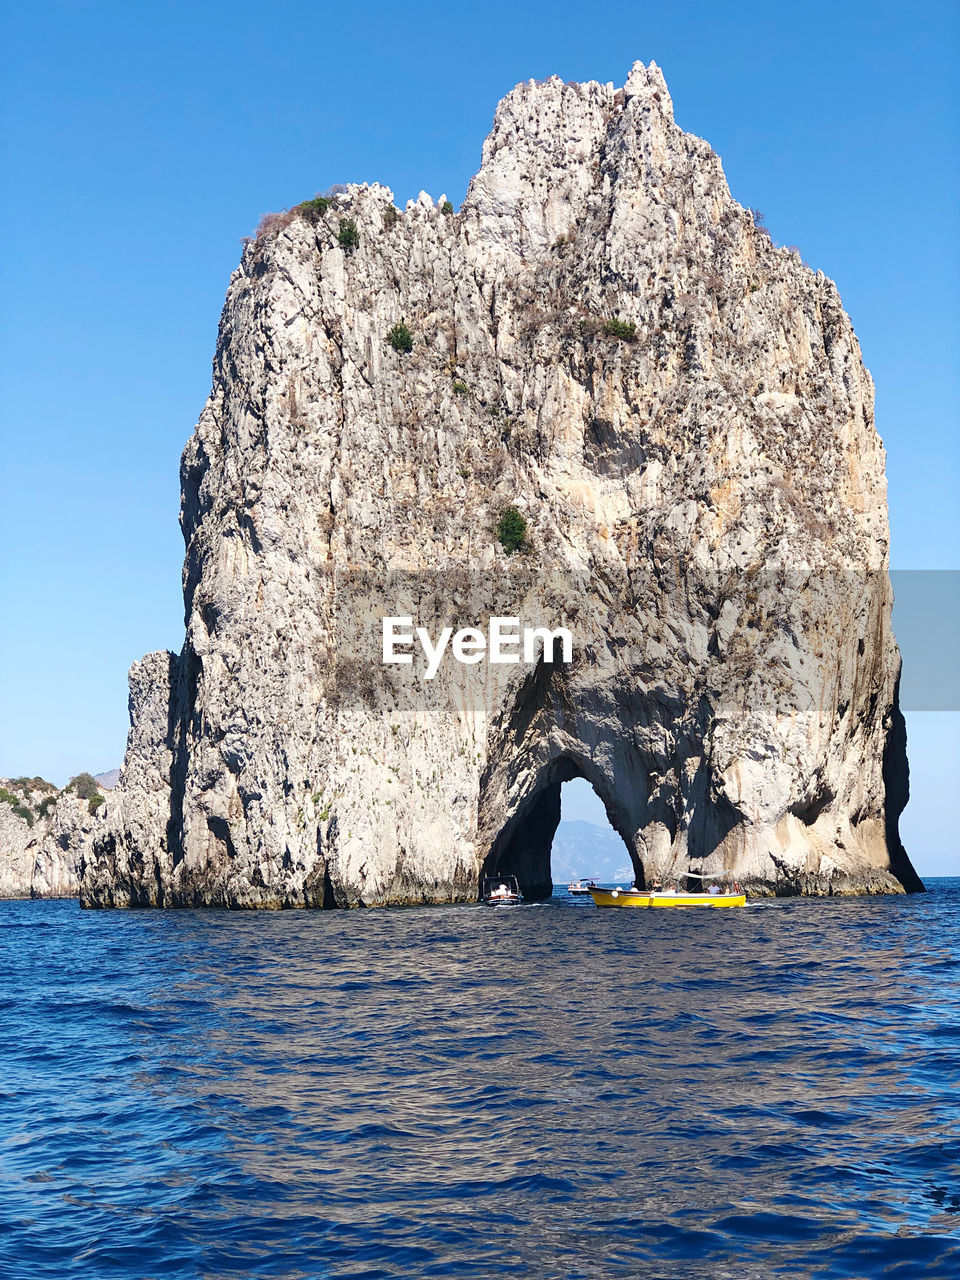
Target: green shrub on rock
<point>400,338</point>
<point>15,803</point>
<point>348,236</point>
<point>313,210</point>
<point>84,785</point>
<point>624,330</point>
<point>446,208</point>
<point>512,530</point>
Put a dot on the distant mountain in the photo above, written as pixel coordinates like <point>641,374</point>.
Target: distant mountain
<point>584,849</point>
<point>108,780</point>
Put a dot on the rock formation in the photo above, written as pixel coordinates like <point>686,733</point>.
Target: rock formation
<point>604,340</point>
<point>41,833</point>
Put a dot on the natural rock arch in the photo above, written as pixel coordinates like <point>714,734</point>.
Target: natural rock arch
<point>524,845</point>
<point>567,724</point>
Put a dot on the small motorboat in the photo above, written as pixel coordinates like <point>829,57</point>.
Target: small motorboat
<point>634,897</point>
<point>581,887</point>
<point>501,891</point>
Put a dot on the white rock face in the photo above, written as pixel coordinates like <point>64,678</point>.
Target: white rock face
<point>41,833</point>
<point>705,502</point>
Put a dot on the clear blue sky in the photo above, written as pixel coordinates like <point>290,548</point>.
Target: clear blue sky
<point>141,141</point>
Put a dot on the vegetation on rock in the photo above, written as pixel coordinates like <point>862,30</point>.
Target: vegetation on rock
<point>313,210</point>
<point>35,783</point>
<point>400,338</point>
<point>348,236</point>
<point>512,530</point>
<point>83,785</point>
<point>16,804</point>
<point>271,222</point>
<point>624,330</point>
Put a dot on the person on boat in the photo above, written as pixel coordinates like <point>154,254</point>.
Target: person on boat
<point>657,884</point>
<point>714,888</point>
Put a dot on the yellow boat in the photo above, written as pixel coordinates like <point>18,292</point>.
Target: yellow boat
<point>664,898</point>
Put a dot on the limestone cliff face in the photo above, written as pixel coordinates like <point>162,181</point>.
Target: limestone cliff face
<point>41,833</point>
<point>705,502</point>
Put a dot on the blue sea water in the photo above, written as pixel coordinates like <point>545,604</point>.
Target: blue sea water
<point>549,1091</point>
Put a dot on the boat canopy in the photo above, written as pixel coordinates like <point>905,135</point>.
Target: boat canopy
<point>695,875</point>
<point>493,882</point>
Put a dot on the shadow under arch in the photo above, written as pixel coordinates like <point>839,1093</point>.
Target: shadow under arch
<point>523,846</point>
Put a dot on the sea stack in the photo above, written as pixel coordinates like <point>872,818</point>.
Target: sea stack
<point>603,343</point>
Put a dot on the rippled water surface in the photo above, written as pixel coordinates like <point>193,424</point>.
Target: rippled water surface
<point>550,1091</point>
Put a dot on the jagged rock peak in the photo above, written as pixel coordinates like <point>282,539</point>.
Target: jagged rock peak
<point>550,143</point>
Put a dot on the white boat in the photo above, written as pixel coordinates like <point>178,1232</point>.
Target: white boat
<point>581,887</point>
<point>501,891</point>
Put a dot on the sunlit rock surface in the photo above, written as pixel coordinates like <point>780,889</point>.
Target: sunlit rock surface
<point>42,831</point>
<point>705,502</point>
